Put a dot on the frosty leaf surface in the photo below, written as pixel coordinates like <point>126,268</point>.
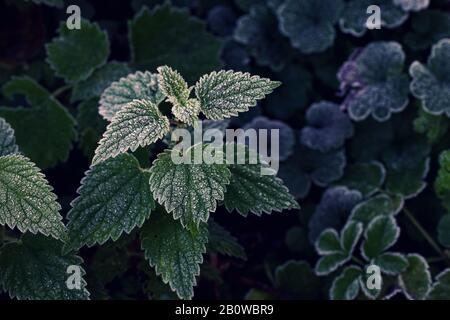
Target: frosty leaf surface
<point>138,124</point>
<point>331,262</point>
<point>136,86</point>
<point>441,288</point>
<point>431,83</point>
<point>415,281</point>
<point>99,81</point>
<point>412,5</point>
<point>381,234</point>
<point>346,285</point>
<point>28,201</point>
<point>223,242</point>
<point>51,3</point>
<point>114,197</point>
<point>328,127</point>
<point>309,24</point>
<point>224,94</point>
<point>374,79</point>
<point>74,55</point>
<point>391,263</point>
<point>175,252</point>
<point>328,242</point>
<point>187,190</point>
<point>171,36</point>
<point>7,140</point>
<point>35,269</point>
<point>381,204</point>
<point>47,141</point>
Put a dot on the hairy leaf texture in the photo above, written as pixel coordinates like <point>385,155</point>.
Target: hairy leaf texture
<point>28,201</point>
<point>346,285</point>
<point>412,5</point>
<point>114,197</point>
<point>7,139</point>
<point>174,252</point>
<point>381,234</point>
<point>138,124</point>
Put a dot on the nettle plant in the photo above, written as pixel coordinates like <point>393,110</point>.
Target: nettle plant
<point>170,203</point>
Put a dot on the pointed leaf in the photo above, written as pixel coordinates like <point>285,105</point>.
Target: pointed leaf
<point>174,252</point>
<point>136,86</point>
<point>27,200</point>
<point>173,86</point>
<point>114,198</point>
<point>223,242</point>
<point>391,263</point>
<point>346,285</point>
<point>224,94</point>
<point>35,269</point>
<point>7,139</point>
<point>415,281</point>
<point>328,242</point>
<point>381,234</point>
<point>138,124</point>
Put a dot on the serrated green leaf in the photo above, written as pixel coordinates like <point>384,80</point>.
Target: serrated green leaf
<point>187,113</point>
<point>328,242</point>
<point>174,252</point>
<point>171,36</point>
<point>47,141</point>
<point>367,178</point>
<point>7,140</point>
<point>224,94</point>
<point>350,235</point>
<point>391,263</point>
<point>441,288</point>
<point>28,202</point>
<point>297,279</point>
<point>136,86</point>
<point>114,197</point>
<point>415,281</point>
<point>346,285</point>
<point>35,269</point>
<point>381,234</point>
<point>189,191</point>
<point>444,231</point>
<point>99,81</point>
<point>330,263</point>
<point>379,205</point>
<point>75,54</point>
<point>223,242</point>
<point>138,124</point>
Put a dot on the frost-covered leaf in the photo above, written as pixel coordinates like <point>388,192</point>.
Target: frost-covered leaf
<point>375,80</point>
<point>47,141</point>
<point>412,5</point>
<point>251,191</point>
<point>224,94</point>
<point>174,252</point>
<point>286,140</point>
<point>171,36</point>
<point>441,288</point>
<point>189,191</point>
<point>415,281</point>
<point>379,205</point>
<point>74,55</point>
<point>328,127</point>
<point>310,23</point>
<point>442,183</point>
<point>28,201</point>
<point>431,83</point>
<point>223,242</point>
<point>367,178</point>
<point>346,285</point>
<point>444,230</point>
<point>328,242</point>
<point>35,269</point>
<point>258,31</point>
<point>391,263</point>
<point>381,234</point>
<point>138,124</point>
<point>7,140</point>
<point>297,280</point>
<point>330,263</point>
<point>91,126</point>
<point>136,86</point>
<point>427,28</point>
<point>350,235</point>
<point>99,81</point>
<point>333,210</point>
<point>51,3</point>
<point>354,16</point>
<point>114,197</point>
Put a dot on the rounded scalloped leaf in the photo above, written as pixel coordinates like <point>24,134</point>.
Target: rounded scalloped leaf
<point>381,234</point>
<point>328,127</point>
<point>286,139</point>
<point>412,5</point>
<point>346,285</point>
<point>331,262</point>
<point>391,263</point>
<point>381,204</point>
<point>427,28</point>
<point>328,242</point>
<point>136,86</point>
<point>309,24</point>
<point>441,288</point>
<point>74,55</point>
<point>7,139</point>
<point>367,178</point>
<point>354,16</point>
<point>333,210</point>
<point>431,83</point>
<point>375,80</point>
<point>415,281</point>
<point>258,31</point>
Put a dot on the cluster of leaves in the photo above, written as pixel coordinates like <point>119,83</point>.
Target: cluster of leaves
<point>363,121</point>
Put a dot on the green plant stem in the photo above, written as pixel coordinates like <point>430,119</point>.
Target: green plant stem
<point>59,91</point>
<point>424,233</point>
